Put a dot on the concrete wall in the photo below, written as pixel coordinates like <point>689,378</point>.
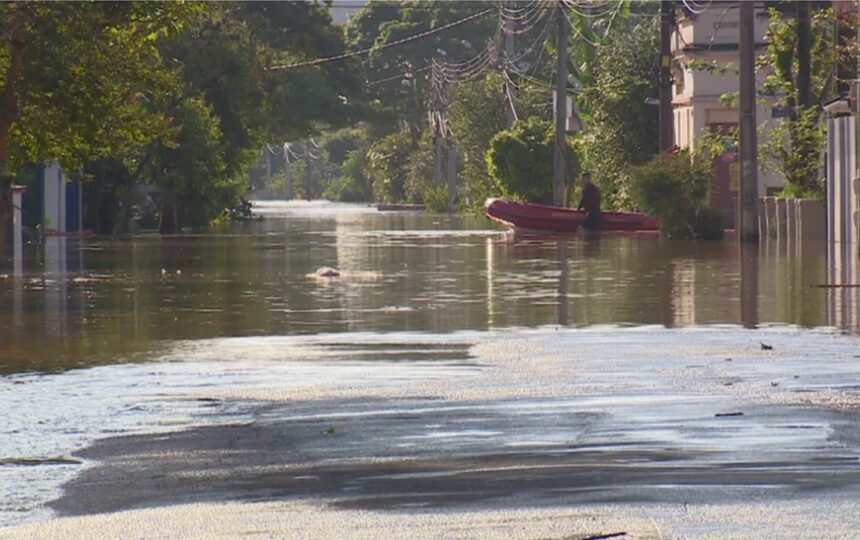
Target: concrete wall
<point>843,200</point>
<point>795,221</point>
<point>843,191</point>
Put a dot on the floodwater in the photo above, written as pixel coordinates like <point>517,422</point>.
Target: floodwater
<point>446,341</point>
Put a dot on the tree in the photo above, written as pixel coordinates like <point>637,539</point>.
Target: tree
<point>191,169</point>
<point>674,188</point>
<point>520,161</point>
<point>379,23</point>
<point>387,162</point>
<point>229,62</point>
<point>477,114</point>
<point>79,81</point>
<point>800,75</point>
<point>622,131</point>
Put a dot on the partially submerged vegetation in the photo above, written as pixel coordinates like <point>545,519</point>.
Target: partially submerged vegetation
<point>182,97</point>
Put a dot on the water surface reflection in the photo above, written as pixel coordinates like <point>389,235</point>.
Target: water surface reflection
<point>101,301</point>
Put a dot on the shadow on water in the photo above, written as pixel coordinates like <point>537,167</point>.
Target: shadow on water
<point>99,301</point>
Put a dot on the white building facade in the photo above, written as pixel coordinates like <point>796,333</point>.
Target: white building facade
<point>711,38</point>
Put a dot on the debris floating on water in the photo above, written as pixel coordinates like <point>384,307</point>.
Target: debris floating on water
<point>327,271</point>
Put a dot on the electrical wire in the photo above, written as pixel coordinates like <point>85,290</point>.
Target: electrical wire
<point>363,52</point>
<point>611,19</point>
<point>539,40</point>
<point>523,26</point>
<point>576,8</point>
<point>518,14</point>
<point>696,10</point>
<point>579,32</point>
<point>398,76</point>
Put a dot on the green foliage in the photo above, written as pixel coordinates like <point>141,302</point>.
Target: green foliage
<point>476,114</point>
<point>387,162</point>
<point>674,188</point>
<point>351,185</point>
<point>381,22</point>
<point>593,35</point>
<point>713,67</point>
<point>140,84</point>
<point>709,223</point>
<point>419,171</point>
<point>793,147</point>
<point>520,161</point>
<point>297,102</point>
<point>193,167</point>
<point>83,79</point>
<point>340,143</point>
<point>781,56</point>
<point>436,199</point>
<point>622,131</point>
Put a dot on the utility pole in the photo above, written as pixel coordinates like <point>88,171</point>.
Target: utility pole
<point>667,23</point>
<point>452,174</point>
<point>559,173</point>
<point>747,215</point>
<point>287,194</point>
<point>436,115</point>
<point>510,113</point>
<point>437,150</point>
<point>855,92</point>
<point>308,195</point>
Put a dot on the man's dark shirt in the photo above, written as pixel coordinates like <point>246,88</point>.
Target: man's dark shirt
<point>590,201</point>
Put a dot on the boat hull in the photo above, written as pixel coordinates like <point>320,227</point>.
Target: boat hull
<point>539,217</point>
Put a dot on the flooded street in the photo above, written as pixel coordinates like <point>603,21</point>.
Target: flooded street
<point>454,372</point>
<point>105,302</point>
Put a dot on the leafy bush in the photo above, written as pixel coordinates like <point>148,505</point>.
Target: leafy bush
<point>436,199</point>
<point>351,186</point>
<point>708,224</point>
<point>477,112</point>
<point>419,171</point>
<point>674,188</point>
<point>520,161</point>
<point>387,162</point>
<point>339,144</point>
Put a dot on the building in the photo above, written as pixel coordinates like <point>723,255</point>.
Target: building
<point>843,181</point>
<point>705,49</point>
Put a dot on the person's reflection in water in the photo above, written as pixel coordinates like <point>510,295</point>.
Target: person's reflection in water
<point>590,202</point>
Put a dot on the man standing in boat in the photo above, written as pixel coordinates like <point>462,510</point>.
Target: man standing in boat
<point>590,202</point>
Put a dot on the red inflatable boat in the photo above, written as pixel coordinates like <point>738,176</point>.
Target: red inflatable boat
<point>539,217</point>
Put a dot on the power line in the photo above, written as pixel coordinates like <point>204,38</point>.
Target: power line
<point>363,52</point>
<point>398,76</point>
<point>697,10</point>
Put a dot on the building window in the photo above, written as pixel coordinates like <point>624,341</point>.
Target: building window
<point>678,77</point>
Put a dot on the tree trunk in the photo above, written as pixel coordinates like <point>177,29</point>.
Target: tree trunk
<point>804,54</point>
<point>5,213</point>
<point>170,209</point>
<point>127,195</point>
<point>9,100</point>
<point>8,114</point>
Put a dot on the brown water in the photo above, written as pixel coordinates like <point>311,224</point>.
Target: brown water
<point>101,301</point>
<point>446,339</point>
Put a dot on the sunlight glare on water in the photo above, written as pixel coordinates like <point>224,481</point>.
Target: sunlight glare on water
<point>442,336</point>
